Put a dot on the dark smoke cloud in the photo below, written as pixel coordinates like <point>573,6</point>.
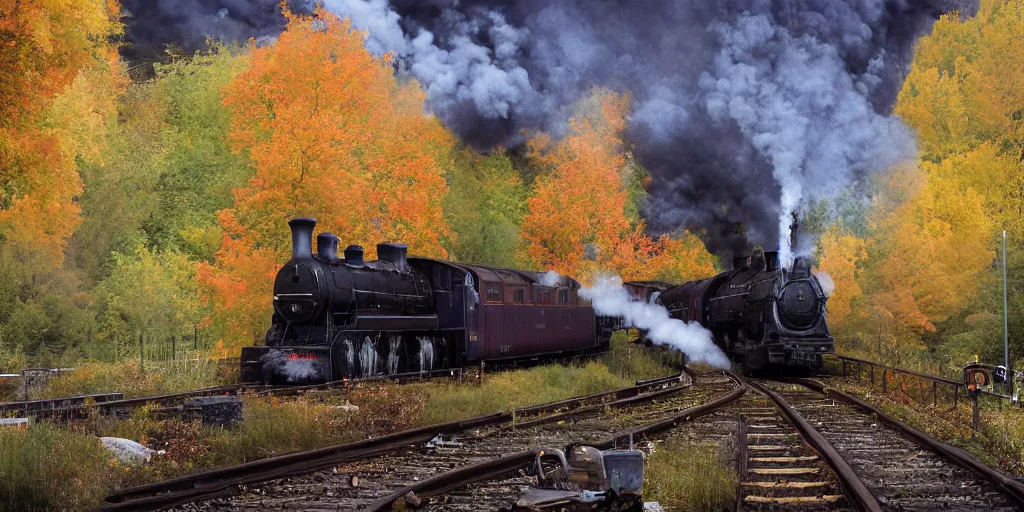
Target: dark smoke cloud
<point>745,110</point>
<point>151,25</point>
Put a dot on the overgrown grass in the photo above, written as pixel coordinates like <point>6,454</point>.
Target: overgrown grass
<point>509,390</point>
<point>132,380</point>
<point>48,468</point>
<point>689,477</point>
<point>503,391</point>
<point>637,362</point>
<point>272,426</point>
<point>999,443</point>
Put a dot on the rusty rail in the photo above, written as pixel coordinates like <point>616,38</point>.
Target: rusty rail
<point>49,404</point>
<point>71,405</point>
<point>1009,486</point>
<point>223,481</point>
<point>508,463</point>
<point>855,488</point>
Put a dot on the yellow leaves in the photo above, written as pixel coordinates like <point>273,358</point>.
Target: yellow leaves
<point>839,255</point>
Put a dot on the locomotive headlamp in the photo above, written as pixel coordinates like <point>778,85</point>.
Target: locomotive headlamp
<point>296,308</point>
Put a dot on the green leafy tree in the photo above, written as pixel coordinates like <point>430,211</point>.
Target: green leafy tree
<point>148,291</point>
<point>485,207</point>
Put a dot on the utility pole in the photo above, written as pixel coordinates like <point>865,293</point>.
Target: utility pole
<point>1006,327</point>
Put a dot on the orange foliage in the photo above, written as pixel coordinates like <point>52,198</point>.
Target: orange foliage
<point>577,223</point>
<point>331,134</point>
<point>59,80</point>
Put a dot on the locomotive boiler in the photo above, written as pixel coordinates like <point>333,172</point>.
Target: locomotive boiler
<point>342,316</point>
<point>760,314</point>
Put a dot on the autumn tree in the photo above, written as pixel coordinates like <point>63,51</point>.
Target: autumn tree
<point>963,97</point>
<point>333,134</point>
<point>578,221</point>
<point>59,83</point>
<point>148,291</point>
<point>484,207</point>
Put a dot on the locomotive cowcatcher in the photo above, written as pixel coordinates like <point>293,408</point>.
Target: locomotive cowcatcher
<point>762,315</point>
<point>338,317</point>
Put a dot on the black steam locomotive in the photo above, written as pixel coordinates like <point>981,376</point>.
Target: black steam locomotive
<point>760,314</point>
<point>338,317</point>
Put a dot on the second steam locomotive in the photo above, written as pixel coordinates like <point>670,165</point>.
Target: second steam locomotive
<point>762,315</point>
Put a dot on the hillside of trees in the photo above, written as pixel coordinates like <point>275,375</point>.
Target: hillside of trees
<point>149,208</point>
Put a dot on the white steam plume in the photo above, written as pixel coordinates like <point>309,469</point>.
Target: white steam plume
<point>550,278</point>
<point>611,299</point>
<point>827,284</point>
<point>800,107</point>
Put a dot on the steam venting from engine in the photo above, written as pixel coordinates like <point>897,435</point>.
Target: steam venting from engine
<point>744,111</point>
<point>610,298</point>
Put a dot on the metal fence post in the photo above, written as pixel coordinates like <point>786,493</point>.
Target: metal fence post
<point>935,394</point>
<point>860,369</point>
<point>872,368</point>
<point>974,411</point>
<point>174,348</point>
<point>142,362</point>
<point>884,379</point>
<point>956,396</point>
<point>844,368</point>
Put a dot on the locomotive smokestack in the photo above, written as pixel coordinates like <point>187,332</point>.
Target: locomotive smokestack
<point>395,253</point>
<point>739,262</point>
<point>771,260</point>
<point>354,255</point>
<point>327,247</point>
<point>302,237</point>
<point>757,260</point>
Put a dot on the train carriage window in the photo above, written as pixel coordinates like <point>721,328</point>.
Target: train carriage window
<point>519,295</point>
<point>563,296</point>
<point>543,296</point>
<point>493,294</point>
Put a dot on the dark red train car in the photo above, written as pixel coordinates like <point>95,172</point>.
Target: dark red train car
<point>519,316</point>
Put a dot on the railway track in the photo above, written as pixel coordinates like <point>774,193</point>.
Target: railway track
<point>112,403</point>
<point>902,471</point>
<point>385,476</point>
<point>795,446</point>
<point>229,481</point>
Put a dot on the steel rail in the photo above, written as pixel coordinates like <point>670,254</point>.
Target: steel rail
<point>512,462</point>
<point>260,390</point>
<point>855,488</point>
<point>206,484</point>
<point>1006,484</point>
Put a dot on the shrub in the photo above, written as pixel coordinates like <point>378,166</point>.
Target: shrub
<point>690,477</point>
<point>132,380</point>
<point>48,468</point>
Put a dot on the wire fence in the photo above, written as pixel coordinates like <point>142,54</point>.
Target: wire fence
<point>151,347</point>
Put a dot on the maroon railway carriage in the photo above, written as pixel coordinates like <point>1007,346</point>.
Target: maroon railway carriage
<point>338,317</point>
<point>519,317</point>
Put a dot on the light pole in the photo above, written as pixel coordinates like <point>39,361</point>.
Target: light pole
<point>1006,328</point>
